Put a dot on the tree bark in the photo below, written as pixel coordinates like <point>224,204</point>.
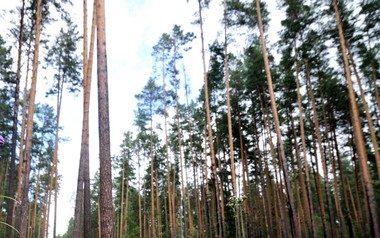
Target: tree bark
<point>106,206</point>
<point>358,133</point>
<point>82,200</point>
<point>23,208</point>
<point>292,210</point>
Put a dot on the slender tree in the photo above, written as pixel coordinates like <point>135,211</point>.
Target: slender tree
<point>63,59</point>
<point>23,208</point>
<point>210,138</point>
<point>12,164</point>
<point>83,186</point>
<point>292,210</point>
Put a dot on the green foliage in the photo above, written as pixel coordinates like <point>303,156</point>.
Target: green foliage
<point>63,58</point>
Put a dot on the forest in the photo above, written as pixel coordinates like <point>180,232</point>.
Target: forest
<point>282,140</point>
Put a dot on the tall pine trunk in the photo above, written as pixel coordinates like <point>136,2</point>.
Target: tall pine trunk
<point>358,133</point>
<point>320,150</point>
<point>106,206</point>
<point>83,186</point>
<point>288,188</point>
<point>23,207</point>
<point>209,130</point>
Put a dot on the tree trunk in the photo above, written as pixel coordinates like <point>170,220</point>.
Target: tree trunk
<point>209,128</point>
<point>347,210</point>
<point>321,150</point>
<point>106,206</point>
<point>23,129</point>
<point>153,221</point>
<point>194,166</point>
<point>34,217</point>
<point>83,186</point>
<point>288,188</point>
<point>309,204</point>
<point>139,193</point>
<point>367,112</point>
<point>172,225</point>
<point>121,222</point>
<point>12,164</point>
<point>358,133</point>
<point>23,208</point>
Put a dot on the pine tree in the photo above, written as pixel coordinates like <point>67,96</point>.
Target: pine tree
<point>106,206</point>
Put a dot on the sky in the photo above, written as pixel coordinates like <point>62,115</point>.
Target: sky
<point>133,27</point>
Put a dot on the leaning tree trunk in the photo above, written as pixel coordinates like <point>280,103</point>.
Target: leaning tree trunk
<point>106,206</point>
<point>358,133</point>
<point>292,210</point>
<point>367,112</point>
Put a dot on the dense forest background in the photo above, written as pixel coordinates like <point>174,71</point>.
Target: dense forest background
<point>282,140</point>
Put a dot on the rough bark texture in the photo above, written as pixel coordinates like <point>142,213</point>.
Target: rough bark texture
<point>106,206</point>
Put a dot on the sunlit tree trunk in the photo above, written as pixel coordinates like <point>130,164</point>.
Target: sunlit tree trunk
<point>367,112</point>
<point>85,131</point>
<point>23,128</point>
<point>23,208</point>
<point>83,186</point>
<point>106,205</point>
<point>358,133</point>
<point>292,210</point>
